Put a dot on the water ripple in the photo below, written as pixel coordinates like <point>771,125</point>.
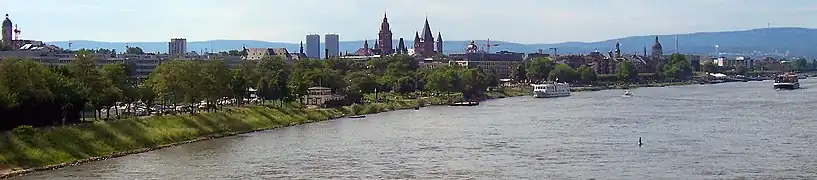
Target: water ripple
<point>724,131</point>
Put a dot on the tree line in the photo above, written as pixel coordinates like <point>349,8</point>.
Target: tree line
<point>545,69</point>
<point>38,95</point>
<point>799,64</point>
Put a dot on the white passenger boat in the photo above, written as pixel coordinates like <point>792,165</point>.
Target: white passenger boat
<point>551,90</point>
<point>627,93</point>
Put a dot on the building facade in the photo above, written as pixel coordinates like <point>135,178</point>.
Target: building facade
<point>501,62</point>
<point>177,47</point>
<point>332,43</point>
<point>313,46</point>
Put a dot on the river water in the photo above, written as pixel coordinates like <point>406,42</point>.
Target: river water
<point>721,131</point>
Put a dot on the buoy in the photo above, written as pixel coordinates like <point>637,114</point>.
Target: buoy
<point>639,141</point>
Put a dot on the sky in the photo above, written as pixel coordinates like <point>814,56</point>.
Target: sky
<point>521,21</point>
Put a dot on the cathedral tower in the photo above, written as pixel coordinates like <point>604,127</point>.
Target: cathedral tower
<point>7,30</point>
<point>428,40</point>
<point>439,43</point>
<point>384,38</point>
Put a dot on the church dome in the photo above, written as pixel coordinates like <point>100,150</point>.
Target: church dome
<point>657,44</point>
<point>7,22</point>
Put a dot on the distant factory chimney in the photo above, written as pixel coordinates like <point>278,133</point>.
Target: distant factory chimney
<point>677,49</point>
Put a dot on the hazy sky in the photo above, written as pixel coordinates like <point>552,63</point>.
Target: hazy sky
<point>523,21</point>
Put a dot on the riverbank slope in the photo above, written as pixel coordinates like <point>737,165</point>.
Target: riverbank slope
<point>26,150</point>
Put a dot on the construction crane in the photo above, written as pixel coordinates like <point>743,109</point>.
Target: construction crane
<point>488,45</point>
<point>554,50</point>
<point>17,32</point>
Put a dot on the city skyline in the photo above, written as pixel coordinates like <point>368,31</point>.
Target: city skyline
<point>542,21</point>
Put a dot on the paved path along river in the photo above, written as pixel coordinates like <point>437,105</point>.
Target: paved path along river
<point>716,131</point>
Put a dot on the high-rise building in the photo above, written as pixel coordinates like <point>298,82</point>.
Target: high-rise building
<point>313,46</point>
<point>332,44</point>
<point>177,46</point>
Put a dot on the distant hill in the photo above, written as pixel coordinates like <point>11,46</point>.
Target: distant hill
<point>797,41</point>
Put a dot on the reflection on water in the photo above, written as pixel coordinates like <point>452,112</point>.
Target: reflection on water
<point>722,131</point>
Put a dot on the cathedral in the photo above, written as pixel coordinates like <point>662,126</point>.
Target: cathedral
<point>424,46</point>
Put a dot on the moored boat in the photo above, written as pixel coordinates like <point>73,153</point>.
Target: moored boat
<point>551,90</point>
<point>786,81</point>
<point>465,103</point>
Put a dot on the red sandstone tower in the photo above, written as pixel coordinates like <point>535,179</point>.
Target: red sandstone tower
<point>384,38</point>
<point>428,40</point>
<point>424,44</point>
<point>439,43</point>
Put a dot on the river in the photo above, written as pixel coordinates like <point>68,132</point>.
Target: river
<point>720,131</point>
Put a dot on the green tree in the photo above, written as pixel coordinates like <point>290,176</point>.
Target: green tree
<point>362,81</point>
<point>84,70</point>
<point>563,73</point>
<point>274,76</point>
<point>539,68</point>
<point>123,90</point>
<point>438,80</point>
<point>215,81</point>
<point>740,69</point>
<point>147,96</point>
<point>134,50</point>
<point>491,77</point>
<point>801,64</point>
<point>587,75</point>
<point>626,71</point>
<point>519,73</point>
<point>709,67</point>
<point>679,62</point>
<point>473,82</point>
<point>239,83</point>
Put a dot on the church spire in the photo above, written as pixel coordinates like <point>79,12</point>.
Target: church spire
<point>366,44</point>
<point>416,38</point>
<point>401,47</point>
<point>645,51</point>
<point>427,35</point>
<point>439,43</point>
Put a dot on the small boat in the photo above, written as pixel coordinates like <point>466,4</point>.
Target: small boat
<point>466,103</point>
<point>357,116</point>
<point>551,90</point>
<point>627,93</point>
<point>786,81</point>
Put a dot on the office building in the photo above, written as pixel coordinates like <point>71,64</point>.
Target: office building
<point>332,44</point>
<point>177,47</point>
<point>313,46</point>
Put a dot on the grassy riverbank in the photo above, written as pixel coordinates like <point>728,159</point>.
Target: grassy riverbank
<point>34,149</point>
